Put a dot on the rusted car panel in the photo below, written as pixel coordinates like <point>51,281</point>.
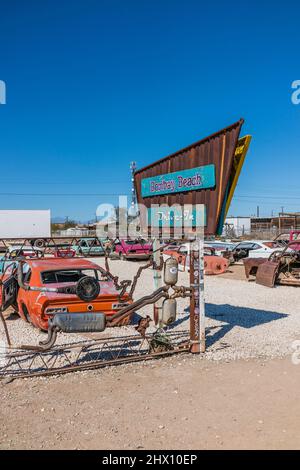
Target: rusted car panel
<point>218,149</point>
<point>266,273</point>
<point>251,265</point>
<point>239,158</point>
<point>214,265</point>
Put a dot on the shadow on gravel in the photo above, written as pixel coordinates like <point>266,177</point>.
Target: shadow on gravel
<point>231,316</point>
<point>183,318</point>
<point>13,316</point>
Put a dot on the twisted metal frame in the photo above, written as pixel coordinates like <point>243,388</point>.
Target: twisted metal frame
<point>91,354</point>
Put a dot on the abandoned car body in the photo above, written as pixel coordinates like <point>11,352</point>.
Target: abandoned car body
<point>89,247</point>
<point>255,249</point>
<point>282,267</point>
<point>133,249</point>
<point>38,289</point>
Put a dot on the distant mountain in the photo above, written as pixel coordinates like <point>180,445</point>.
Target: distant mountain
<point>61,220</point>
<point>58,220</point>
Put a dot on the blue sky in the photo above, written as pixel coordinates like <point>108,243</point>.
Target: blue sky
<point>92,85</point>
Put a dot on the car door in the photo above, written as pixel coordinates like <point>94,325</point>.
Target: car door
<point>83,247</point>
<point>95,247</point>
<point>259,251</point>
<point>9,288</point>
<point>242,250</point>
<point>124,247</point>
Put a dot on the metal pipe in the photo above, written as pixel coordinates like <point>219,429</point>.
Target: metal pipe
<point>136,277</point>
<point>130,309</point>
<point>5,327</point>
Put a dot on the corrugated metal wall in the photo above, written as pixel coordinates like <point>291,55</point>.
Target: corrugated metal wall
<point>217,149</point>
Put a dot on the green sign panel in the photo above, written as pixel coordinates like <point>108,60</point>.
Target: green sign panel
<point>201,177</point>
<point>164,216</point>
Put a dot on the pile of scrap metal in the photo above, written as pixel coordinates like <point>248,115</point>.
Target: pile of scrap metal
<point>282,267</point>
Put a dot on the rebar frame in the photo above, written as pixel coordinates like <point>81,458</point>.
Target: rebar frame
<point>90,354</point>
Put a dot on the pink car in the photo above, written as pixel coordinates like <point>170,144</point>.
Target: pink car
<point>133,249</point>
<point>295,236</point>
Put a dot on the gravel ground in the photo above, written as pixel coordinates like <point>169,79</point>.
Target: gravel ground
<point>244,320</point>
<point>155,404</point>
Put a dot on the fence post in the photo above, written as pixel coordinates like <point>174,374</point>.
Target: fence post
<point>157,280</point>
<point>197,301</point>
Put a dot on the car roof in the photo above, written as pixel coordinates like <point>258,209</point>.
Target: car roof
<point>47,264</point>
<point>23,247</point>
<point>256,241</point>
<point>89,238</point>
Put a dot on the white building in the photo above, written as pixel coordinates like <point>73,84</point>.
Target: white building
<point>25,223</point>
<point>237,226</point>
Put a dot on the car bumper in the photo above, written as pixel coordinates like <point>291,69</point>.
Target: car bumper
<point>137,255</point>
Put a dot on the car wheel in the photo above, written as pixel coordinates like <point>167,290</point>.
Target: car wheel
<point>87,288</point>
<point>40,243</point>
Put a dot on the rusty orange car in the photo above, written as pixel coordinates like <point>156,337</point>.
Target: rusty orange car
<point>39,289</point>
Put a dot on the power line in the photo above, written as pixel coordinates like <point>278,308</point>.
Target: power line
<point>271,203</point>
<point>266,197</point>
<point>107,180</point>
<point>62,194</point>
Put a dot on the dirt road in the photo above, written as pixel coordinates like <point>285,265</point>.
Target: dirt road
<point>179,402</point>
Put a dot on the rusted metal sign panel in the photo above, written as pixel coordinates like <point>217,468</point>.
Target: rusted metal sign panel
<point>238,161</point>
<point>266,273</point>
<point>201,175</point>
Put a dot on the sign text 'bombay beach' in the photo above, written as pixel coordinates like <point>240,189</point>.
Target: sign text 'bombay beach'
<point>201,177</point>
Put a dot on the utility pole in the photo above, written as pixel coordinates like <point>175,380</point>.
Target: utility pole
<point>133,194</point>
<point>2,92</point>
<point>257,211</point>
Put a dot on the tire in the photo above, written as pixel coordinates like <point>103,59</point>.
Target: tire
<point>87,288</point>
<point>39,243</point>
